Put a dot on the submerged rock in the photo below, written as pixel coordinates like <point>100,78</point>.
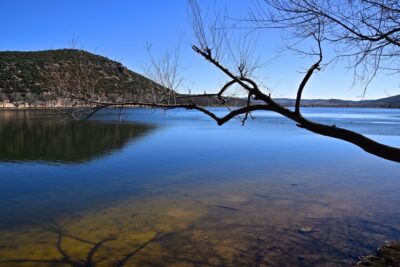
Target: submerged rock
<point>306,230</point>
<point>386,255</point>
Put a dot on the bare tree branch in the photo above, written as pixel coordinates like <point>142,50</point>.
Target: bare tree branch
<point>364,32</point>
<point>310,19</point>
<point>314,67</point>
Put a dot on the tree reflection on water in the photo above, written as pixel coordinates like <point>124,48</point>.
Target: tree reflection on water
<point>38,136</point>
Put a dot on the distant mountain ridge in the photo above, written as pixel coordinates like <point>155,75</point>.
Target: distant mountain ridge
<point>388,102</point>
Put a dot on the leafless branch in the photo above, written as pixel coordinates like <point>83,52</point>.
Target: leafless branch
<point>366,33</point>
<point>322,21</point>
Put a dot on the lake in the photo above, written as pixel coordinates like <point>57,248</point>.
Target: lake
<point>152,188</point>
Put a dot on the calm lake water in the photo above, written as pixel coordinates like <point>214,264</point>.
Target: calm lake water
<point>148,188</point>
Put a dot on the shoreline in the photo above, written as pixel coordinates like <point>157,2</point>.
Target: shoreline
<point>135,106</point>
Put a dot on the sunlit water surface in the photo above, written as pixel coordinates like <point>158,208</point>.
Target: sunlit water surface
<point>148,188</point>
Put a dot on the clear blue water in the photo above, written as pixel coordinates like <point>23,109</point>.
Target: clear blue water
<point>267,192</point>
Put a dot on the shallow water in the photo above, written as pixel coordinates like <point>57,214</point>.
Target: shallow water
<point>148,188</point>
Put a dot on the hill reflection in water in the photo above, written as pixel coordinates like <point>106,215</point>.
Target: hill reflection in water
<point>48,137</point>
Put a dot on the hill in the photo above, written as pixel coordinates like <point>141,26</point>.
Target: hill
<point>48,78</point>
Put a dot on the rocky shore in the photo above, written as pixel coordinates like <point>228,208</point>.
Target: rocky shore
<point>387,255</point>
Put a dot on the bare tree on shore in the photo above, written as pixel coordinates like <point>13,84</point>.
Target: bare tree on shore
<point>366,32</point>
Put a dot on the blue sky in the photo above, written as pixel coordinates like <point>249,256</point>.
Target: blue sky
<point>121,29</point>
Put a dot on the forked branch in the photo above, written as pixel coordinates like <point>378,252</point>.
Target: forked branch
<point>256,98</point>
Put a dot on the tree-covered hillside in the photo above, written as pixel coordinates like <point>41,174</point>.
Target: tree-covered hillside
<point>49,78</point>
